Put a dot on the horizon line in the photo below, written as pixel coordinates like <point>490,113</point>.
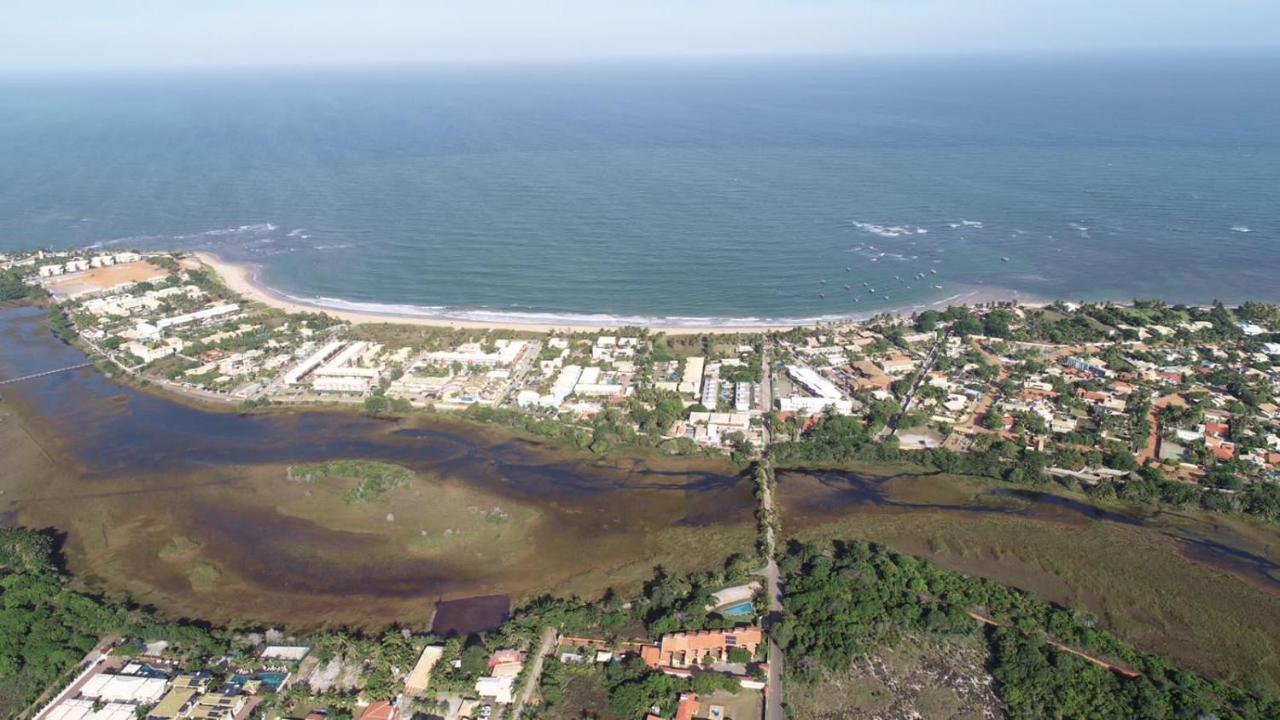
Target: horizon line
<point>533,62</point>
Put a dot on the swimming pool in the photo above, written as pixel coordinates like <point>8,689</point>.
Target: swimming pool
<point>270,680</point>
<point>742,608</point>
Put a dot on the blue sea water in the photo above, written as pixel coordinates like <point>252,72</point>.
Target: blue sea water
<point>693,189</point>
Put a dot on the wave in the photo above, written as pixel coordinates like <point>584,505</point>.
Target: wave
<point>977,224</point>
<point>1241,228</point>
<point>253,230</point>
<point>567,319</point>
<point>889,231</point>
<point>875,254</point>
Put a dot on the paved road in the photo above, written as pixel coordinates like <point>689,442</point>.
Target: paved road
<point>535,672</point>
<point>925,367</point>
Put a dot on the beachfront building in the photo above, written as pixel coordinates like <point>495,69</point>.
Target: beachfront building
<point>505,353</point>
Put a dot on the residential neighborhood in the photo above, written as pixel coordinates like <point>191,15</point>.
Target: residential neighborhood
<point>1099,391</point>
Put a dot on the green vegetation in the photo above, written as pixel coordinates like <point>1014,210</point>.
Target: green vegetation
<point>859,597</point>
<point>179,546</point>
<point>46,626</point>
<point>12,288</point>
<point>373,479</point>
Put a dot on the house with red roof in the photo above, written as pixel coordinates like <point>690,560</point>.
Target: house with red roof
<point>381,710</point>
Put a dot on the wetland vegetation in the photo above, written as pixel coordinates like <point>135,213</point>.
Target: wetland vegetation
<point>217,531</point>
<point>849,601</point>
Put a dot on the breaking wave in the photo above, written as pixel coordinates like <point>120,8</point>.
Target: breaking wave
<point>889,231</point>
<point>567,319</point>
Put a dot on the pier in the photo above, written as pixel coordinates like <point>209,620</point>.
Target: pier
<point>33,376</point>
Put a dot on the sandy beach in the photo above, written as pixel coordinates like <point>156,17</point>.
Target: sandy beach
<point>243,279</point>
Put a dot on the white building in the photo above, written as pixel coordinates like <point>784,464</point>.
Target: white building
<point>87,709</point>
<point>292,653</point>
<point>505,352</point>
<point>149,354</point>
<point>810,380</point>
<point>208,313</point>
<point>691,380</point>
<point>563,386</point>
<point>497,689</point>
<point>311,362</point>
<point>811,405</point>
<point>341,375</point>
<point>135,689</point>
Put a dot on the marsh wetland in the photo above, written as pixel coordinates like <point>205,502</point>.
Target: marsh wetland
<point>204,513</point>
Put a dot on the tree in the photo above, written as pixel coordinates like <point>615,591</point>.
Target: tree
<point>11,286</point>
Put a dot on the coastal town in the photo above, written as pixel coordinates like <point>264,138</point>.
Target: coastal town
<point>1145,402</point>
<point>1100,393</point>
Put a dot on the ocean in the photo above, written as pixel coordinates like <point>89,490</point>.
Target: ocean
<point>732,191</point>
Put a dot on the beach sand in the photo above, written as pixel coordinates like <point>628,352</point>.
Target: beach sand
<point>243,279</point>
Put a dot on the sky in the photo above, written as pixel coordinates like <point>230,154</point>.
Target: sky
<point>38,35</point>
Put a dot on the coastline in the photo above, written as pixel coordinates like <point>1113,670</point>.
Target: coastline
<point>244,280</point>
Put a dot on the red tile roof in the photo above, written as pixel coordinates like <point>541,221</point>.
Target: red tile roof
<point>381,710</point>
<point>688,706</point>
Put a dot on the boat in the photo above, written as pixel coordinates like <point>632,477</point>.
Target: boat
<point>933,270</point>
<point>1004,259</point>
<point>939,287</point>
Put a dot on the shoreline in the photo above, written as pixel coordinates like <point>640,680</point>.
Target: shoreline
<point>244,280</point>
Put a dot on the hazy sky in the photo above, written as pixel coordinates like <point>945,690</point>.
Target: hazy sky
<point>62,34</point>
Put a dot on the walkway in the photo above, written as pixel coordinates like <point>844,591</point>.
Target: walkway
<point>46,373</point>
<point>773,587</point>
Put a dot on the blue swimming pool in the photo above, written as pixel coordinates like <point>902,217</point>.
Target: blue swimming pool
<point>742,608</point>
<point>270,680</point>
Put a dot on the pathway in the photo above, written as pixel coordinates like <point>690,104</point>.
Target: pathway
<point>535,672</point>
<point>773,587</point>
<point>33,376</point>
<point>1118,669</point>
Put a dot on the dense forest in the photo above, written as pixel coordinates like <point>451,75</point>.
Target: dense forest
<point>46,626</point>
<point>847,601</point>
